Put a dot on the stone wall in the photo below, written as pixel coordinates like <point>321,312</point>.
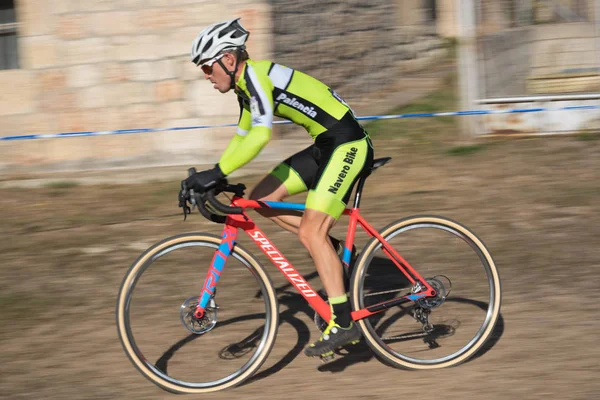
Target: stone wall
<point>359,48</point>
<point>124,64</point>
<point>505,59</point>
<point>117,64</point>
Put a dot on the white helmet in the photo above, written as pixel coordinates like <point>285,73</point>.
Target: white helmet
<point>218,37</point>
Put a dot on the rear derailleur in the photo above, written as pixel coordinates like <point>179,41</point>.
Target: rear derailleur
<point>422,315</point>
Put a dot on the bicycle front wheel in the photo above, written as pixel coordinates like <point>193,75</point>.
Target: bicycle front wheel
<point>155,316</point>
<point>436,332</point>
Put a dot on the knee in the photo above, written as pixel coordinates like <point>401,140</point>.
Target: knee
<point>309,235</point>
<point>260,195</point>
<point>256,195</point>
<point>304,234</point>
<point>265,191</point>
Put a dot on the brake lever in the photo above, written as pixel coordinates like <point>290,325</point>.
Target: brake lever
<point>185,196</point>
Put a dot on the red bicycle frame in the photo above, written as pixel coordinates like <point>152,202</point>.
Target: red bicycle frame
<point>242,221</point>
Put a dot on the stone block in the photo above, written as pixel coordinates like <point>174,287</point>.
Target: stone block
<point>142,47</point>
<point>38,52</point>
<point>60,6</point>
<point>104,119</point>
<point>169,69</point>
<point>199,16</point>
<point>93,97</point>
<point>34,17</point>
<point>138,116</point>
<point>79,76</point>
<point>111,23</point>
<point>140,71</point>
<point>177,43</point>
<point>130,93</point>
<point>12,125</point>
<point>206,101</point>
<point>27,124</point>
<point>57,101</point>
<point>260,47</point>
<point>51,79</point>
<point>82,120</point>
<point>85,51</point>
<point>159,19</point>
<point>72,121</point>
<point>327,46</point>
<point>190,72</point>
<point>71,27</point>
<point>115,72</point>
<point>175,110</point>
<point>255,17</point>
<point>21,153</point>
<point>154,70</point>
<point>165,91</point>
<point>135,4</point>
<point>290,24</point>
<point>97,5</point>
<point>39,123</point>
<point>18,92</point>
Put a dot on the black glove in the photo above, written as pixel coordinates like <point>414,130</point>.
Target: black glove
<point>205,180</point>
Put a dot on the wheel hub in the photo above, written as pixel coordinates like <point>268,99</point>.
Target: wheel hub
<point>442,290</point>
<point>198,325</point>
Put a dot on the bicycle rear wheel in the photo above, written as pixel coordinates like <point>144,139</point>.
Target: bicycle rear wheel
<point>433,333</point>
<point>154,316</point>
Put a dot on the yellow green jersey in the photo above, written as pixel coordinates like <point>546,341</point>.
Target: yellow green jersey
<point>266,89</point>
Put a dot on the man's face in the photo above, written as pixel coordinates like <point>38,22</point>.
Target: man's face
<point>214,72</point>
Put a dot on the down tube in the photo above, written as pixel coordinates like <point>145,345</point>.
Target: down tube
<point>216,267</point>
<point>297,280</point>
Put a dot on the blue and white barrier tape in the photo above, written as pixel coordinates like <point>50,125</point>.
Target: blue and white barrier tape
<point>366,118</point>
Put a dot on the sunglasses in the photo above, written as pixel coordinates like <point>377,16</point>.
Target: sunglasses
<point>207,67</point>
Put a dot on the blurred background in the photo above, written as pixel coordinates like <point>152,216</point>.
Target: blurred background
<point>76,212</point>
<point>68,67</point>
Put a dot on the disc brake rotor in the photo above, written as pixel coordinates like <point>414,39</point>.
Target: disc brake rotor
<point>194,324</point>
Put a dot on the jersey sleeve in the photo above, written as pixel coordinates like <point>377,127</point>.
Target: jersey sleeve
<point>244,125</point>
<point>255,123</point>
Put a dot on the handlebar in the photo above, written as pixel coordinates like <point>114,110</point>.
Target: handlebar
<point>200,200</point>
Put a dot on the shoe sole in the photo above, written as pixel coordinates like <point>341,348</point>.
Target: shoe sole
<point>331,354</point>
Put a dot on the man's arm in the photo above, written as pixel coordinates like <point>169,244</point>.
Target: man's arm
<point>244,125</point>
<point>254,126</point>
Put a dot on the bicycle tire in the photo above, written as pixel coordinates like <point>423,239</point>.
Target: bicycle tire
<point>149,370</point>
<point>358,293</point>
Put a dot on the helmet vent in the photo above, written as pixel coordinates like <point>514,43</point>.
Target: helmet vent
<point>208,45</point>
<point>216,27</point>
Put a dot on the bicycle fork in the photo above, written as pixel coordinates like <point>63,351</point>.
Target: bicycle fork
<point>217,264</point>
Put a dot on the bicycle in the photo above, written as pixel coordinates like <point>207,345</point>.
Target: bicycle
<point>383,288</point>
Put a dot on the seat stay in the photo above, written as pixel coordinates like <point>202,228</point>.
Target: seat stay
<point>411,274</point>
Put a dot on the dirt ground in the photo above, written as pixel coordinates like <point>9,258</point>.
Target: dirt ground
<point>535,202</point>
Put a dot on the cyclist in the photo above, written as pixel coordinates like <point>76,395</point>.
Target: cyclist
<point>327,169</point>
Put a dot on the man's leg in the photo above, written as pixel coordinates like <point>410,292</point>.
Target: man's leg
<point>271,188</point>
<point>313,233</point>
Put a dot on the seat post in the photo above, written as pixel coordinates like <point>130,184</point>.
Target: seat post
<point>359,189</point>
<point>361,181</point>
